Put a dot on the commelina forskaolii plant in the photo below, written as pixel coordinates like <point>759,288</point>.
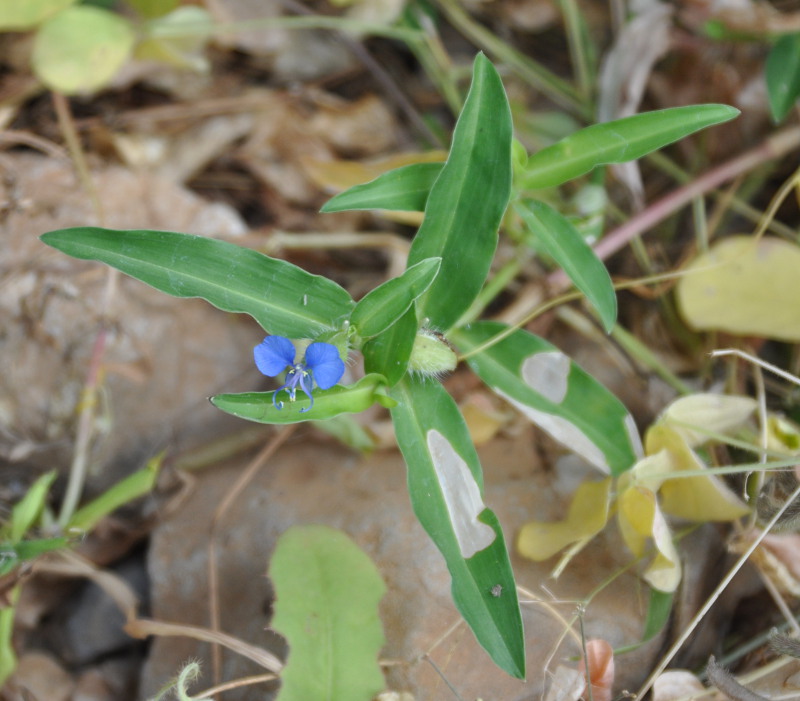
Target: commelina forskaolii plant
<point>407,327</point>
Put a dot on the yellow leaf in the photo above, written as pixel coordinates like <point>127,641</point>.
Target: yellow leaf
<point>588,514</point>
<point>482,419</point>
<point>695,498</point>
<point>178,38</point>
<point>712,413</point>
<point>639,518</point>
<point>18,16</point>
<point>335,176</point>
<point>783,436</point>
<point>746,287</point>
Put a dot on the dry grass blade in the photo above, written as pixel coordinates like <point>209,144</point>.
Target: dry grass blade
<point>143,627</point>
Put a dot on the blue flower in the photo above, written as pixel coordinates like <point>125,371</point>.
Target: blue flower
<point>321,366</point>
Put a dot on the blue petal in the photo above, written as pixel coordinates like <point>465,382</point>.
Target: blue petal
<point>307,389</point>
<point>273,355</point>
<point>324,361</point>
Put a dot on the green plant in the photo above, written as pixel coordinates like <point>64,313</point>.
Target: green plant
<point>20,542</point>
<point>405,327</point>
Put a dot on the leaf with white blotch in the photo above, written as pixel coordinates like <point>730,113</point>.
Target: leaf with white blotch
<point>446,485</point>
<point>744,286</point>
<point>555,393</point>
<point>284,299</point>
<point>326,606</point>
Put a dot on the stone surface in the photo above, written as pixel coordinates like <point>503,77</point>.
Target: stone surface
<point>40,675</point>
<point>163,356</point>
<point>311,482</point>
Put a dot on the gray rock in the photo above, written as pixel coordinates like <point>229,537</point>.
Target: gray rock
<point>307,482</point>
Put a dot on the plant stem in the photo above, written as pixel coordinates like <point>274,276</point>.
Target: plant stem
<point>772,148</point>
<point>88,403</point>
<point>577,47</point>
<point>539,77</point>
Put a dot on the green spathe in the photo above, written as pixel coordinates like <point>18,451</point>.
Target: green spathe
<point>431,354</point>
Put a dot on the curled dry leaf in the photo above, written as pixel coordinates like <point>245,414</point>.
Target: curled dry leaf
<point>778,557</point>
<point>676,684</point>
<point>599,671</point>
<point>567,684</point>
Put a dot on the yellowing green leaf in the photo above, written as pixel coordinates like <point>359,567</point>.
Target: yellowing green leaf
<point>340,175</point>
<point>26,14</point>
<point>783,436</point>
<point>80,49</point>
<point>711,413</point>
<point>587,516</point>
<point>178,38</point>
<point>746,287</point>
<point>695,498</point>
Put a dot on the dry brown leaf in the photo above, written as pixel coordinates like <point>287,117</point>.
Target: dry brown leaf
<point>567,684</point>
<point>676,684</point>
<point>483,419</point>
<point>600,672</point>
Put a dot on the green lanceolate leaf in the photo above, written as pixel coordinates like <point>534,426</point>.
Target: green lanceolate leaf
<point>8,657</point>
<point>27,510</point>
<point>446,488</point>
<point>554,393</point>
<point>564,243</point>
<point>617,142</point>
<point>467,200</point>
<point>283,298</point>
<point>783,75</point>
<point>384,305</point>
<point>126,490</point>
<point>403,189</point>
<point>326,606</point>
<point>388,353</point>
<point>14,555</point>
<point>258,406</point>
